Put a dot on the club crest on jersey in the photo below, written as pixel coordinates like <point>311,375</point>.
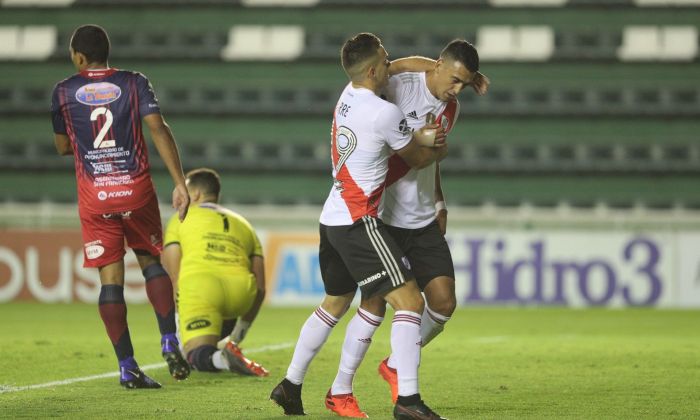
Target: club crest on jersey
<point>95,94</point>
<point>445,122</point>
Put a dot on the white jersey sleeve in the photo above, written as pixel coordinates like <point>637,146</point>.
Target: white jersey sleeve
<point>391,124</point>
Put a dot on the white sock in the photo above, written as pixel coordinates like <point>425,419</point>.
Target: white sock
<point>358,337</point>
<point>219,361</point>
<point>313,334</point>
<point>405,345</point>
<point>431,324</point>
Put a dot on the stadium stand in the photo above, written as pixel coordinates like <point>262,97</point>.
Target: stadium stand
<point>592,101</point>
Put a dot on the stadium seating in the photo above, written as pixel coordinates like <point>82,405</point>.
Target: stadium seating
<point>592,101</point>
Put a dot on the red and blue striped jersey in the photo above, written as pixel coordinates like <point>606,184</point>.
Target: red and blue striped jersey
<point>101,111</point>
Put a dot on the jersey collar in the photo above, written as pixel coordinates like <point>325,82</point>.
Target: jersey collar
<point>97,73</point>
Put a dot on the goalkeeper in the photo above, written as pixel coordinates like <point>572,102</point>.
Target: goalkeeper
<point>215,259</point>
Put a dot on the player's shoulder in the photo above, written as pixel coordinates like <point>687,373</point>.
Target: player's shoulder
<point>67,81</point>
<point>408,78</point>
<point>131,74</point>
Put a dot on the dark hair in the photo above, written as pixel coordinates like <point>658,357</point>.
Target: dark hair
<point>358,49</point>
<point>206,180</point>
<point>464,52</point>
<point>91,41</point>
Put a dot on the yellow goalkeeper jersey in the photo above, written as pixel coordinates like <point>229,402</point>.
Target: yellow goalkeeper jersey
<point>213,239</point>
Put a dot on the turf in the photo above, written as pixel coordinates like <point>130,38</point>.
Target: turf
<point>490,363</point>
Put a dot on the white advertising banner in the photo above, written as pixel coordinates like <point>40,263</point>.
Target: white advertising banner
<point>509,267</point>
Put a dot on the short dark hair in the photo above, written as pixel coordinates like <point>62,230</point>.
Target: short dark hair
<point>464,52</point>
<point>91,41</point>
<point>206,180</point>
<point>357,50</point>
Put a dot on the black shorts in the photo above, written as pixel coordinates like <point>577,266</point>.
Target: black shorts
<point>362,254</point>
<point>427,251</point>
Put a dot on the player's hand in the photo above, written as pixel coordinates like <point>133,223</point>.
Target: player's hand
<point>440,137</point>
<point>442,221</point>
<point>480,83</point>
<point>181,201</point>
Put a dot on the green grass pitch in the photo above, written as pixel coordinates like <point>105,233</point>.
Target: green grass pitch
<point>490,363</point>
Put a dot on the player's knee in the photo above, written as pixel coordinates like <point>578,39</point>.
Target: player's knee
<point>337,306</point>
<point>445,307</point>
<point>201,358</point>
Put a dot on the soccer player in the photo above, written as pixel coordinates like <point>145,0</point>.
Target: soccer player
<point>355,249</point>
<point>414,211</point>
<point>216,260</point>
<point>97,115</point>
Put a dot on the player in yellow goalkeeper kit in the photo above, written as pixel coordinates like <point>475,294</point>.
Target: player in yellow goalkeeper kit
<point>215,259</point>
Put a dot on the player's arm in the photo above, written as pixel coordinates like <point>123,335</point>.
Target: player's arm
<point>413,63</point>
<point>440,208</point>
<point>170,258</point>
<point>257,267</point>
<point>167,149</point>
<point>62,143</point>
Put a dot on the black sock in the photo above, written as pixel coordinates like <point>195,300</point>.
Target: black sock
<point>200,358</point>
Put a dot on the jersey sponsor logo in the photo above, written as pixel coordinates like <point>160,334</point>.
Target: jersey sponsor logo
<point>124,214</point>
<point>95,94</point>
<point>102,195</point>
<point>198,324</point>
<point>413,115</point>
<point>94,249</point>
<point>372,278</point>
<point>403,127</point>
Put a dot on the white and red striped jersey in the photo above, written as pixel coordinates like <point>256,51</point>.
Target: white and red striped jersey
<point>409,200</point>
<point>366,131</point>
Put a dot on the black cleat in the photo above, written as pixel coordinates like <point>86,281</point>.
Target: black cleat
<point>288,396</point>
<point>177,365</point>
<point>418,411</point>
<point>133,378</point>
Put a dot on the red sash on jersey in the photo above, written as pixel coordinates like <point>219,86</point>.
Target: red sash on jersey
<point>398,167</point>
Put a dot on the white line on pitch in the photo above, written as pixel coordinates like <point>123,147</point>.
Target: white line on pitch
<point>8,389</point>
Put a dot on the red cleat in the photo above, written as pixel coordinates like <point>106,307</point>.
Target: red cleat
<point>390,377</point>
<point>344,405</point>
<point>238,363</point>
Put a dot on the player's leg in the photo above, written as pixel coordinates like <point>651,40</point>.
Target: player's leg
<point>379,267</point>
<point>103,240</point>
<point>340,290</point>
<point>239,293</point>
<point>358,337</point>
<point>403,294</point>
<point>440,305</point>
<point>431,262</point>
<point>143,231</point>
<point>312,336</point>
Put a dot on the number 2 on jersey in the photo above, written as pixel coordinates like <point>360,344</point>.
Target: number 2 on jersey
<point>100,142</point>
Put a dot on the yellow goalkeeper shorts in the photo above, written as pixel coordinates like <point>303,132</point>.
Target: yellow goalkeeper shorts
<point>206,299</point>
